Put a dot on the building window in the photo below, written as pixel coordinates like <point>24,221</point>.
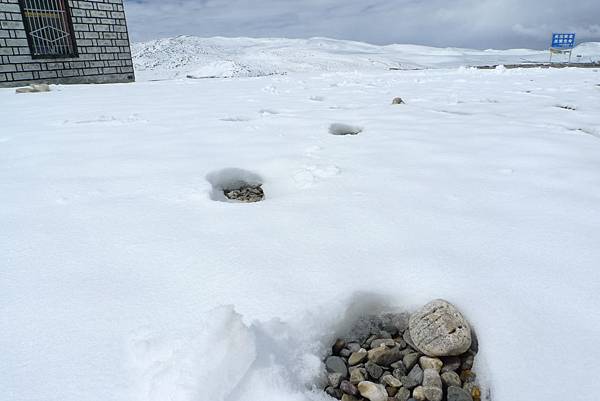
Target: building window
<point>49,28</point>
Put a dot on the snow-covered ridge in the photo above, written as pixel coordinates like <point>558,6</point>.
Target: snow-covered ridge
<point>219,57</point>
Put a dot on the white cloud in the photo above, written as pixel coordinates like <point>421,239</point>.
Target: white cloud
<point>469,23</point>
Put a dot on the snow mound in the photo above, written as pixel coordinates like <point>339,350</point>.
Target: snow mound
<point>192,366</point>
<point>219,57</point>
<point>229,69</point>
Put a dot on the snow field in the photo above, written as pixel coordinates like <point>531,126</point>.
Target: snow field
<point>118,263</point>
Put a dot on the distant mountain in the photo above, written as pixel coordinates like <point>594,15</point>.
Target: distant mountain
<point>218,57</point>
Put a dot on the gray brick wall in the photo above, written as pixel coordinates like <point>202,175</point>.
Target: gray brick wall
<point>101,38</point>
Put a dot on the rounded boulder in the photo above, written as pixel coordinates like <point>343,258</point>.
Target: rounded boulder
<point>439,329</point>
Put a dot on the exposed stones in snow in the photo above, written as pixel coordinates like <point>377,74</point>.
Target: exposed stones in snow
<point>398,100</point>
<point>379,361</point>
<point>344,129</point>
<point>246,194</point>
<point>35,88</point>
<point>236,185</point>
<point>566,107</point>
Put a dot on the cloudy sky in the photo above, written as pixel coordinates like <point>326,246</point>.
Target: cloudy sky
<point>466,23</point>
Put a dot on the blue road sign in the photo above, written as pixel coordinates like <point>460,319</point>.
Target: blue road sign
<point>563,40</point>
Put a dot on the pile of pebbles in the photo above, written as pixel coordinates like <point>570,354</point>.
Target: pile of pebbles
<point>246,194</point>
<point>426,356</point>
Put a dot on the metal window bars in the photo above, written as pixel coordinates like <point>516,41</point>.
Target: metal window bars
<point>49,29</point>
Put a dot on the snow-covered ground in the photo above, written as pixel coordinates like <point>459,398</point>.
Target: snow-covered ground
<point>122,279</point>
<point>247,57</point>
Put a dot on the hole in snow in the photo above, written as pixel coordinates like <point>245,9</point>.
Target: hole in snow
<point>383,356</point>
<point>566,107</point>
<point>235,185</point>
<point>237,119</point>
<point>344,129</point>
<point>267,112</point>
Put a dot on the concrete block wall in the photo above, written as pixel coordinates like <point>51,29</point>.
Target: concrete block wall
<point>101,37</point>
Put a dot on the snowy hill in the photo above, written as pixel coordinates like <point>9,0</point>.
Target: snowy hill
<point>245,57</point>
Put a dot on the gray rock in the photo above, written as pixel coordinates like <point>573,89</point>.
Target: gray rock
<point>338,346</point>
<point>353,347</point>
<point>414,377</point>
<point>400,343</point>
<point>458,394</point>
<point>400,321</point>
<point>468,376</point>
<point>351,368</point>
<point>474,348</point>
<point>345,353</point>
<point>439,329</point>
<point>384,356</point>
<point>451,378</point>
<point>335,364</point>
<point>372,391</point>
<point>408,350</point>
<point>398,365</point>
<point>387,342</point>
<point>358,357</point>
<point>374,370</point>
<point>395,323</point>
<point>403,394</point>
<point>432,385</point>
<point>358,375</point>
<point>408,339</point>
<point>467,362</point>
<point>419,394</point>
<point>348,397</point>
<point>410,360</point>
<point>334,392</point>
<point>334,379</point>
<point>469,387</point>
<point>348,388</point>
<point>367,343</point>
<point>391,381</point>
<point>408,382</point>
<point>416,373</point>
<point>385,334</point>
<point>430,363</point>
<point>391,391</point>
<point>397,100</point>
<point>398,373</point>
<point>451,363</point>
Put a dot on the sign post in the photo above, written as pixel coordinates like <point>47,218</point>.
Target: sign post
<point>562,43</point>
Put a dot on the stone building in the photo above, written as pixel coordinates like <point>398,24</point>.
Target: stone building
<point>63,41</point>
